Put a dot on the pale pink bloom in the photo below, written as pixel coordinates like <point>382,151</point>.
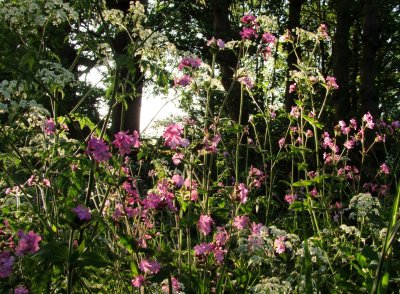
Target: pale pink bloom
<point>204,224</point>
<point>243,192</point>
<point>292,88</point>
<point>125,142</point>
<point>31,180</point>
<point>309,133</point>
<point>148,266</point>
<point>82,212</point>
<point>281,143</point>
<point>367,118</point>
<point>353,124</point>
<point>177,180</point>
<point>331,83</point>
<point>138,281</point>
<point>246,81</point>
<point>290,198</point>
<point>216,42</point>
<point>384,168</point>
<point>248,33</point>
<point>172,136</point>
<point>279,245</point>
<point>268,38</point>
<point>256,228</point>
<point>98,149</point>
<point>6,264</point>
<point>177,157</point>
<point>46,182</point>
<point>49,126</point>
<point>28,243</point>
<point>349,144</point>
<point>241,222</point>
<point>183,81</point>
<point>203,248</point>
<point>295,112</point>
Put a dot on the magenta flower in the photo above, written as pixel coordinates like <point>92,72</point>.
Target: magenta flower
<point>149,266</point>
<point>6,264</point>
<point>367,118</point>
<point>172,136</point>
<point>248,19</point>
<point>191,62</point>
<point>125,142</point>
<point>204,224</point>
<point>241,222</point>
<point>98,149</point>
<point>82,212</point>
<point>28,243</point>
<point>152,201</point>
<point>279,245</point>
<point>49,126</point>
<point>138,281</point>
<point>203,248</point>
<point>248,33</point>
<point>183,81</point>
<point>243,192</point>
<point>219,254</point>
<point>331,83</point>
<point>177,157</point>
<point>221,236</point>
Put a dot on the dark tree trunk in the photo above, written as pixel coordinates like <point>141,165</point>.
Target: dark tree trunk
<point>294,22</point>
<point>126,117</point>
<point>368,67</point>
<point>227,59</point>
<point>341,58</point>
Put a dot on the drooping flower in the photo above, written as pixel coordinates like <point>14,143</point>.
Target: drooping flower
<point>241,222</point>
<point>125,142</point>
<point>138,281</point>
<point>204,224</point>
<point>98,149</point>
<point>149,266</point>
<point>6,264</point>
<point>82,212</point>
<point>331,83</point>
<point>28,243</point>
<point>49,126</point>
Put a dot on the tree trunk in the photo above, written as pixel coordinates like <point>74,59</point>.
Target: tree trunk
<point>368,67</point>
<point>341,58</point>
<point>126,117</point>
<point>291,60</point>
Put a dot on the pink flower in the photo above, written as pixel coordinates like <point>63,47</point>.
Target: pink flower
<point>367,118</point>
<point>246,81</point>
<point>384,168</point>
<point>290,198</point>
<point>221,236</point>
<point>219,254</point>
<point>176,287</point>
<point>323,31</point>
<point>82,212</point>
<point>191,62</point>
<point>203,248</point>
<point>331,83</point>
<point>204,224</point>
<point>279,245</point>
<point>177,180</point>
<point>177,157</point>
<point>98,149</point>
<point>268,38</point>
<point>248,33</point>
<point>241,222</point>
<point>292,88</point>
<point>248,19</point>
<point>216,43</point>
<point>46,182</point>
<point>349,144</point>
<point>149,266</point>
<point>314,192</point>
<point>281,143</point>
<point>49,126</point>
<point>21,290</point>
<point>138,281</point>
<point>183,81</point>
<point>125,142</point>
<point>243,192</point>
<point>172,136</point>
<point>295,112</point>
<point>6,264</point>
<point>28,243</point>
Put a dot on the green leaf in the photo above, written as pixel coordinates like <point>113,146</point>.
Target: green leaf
<point>303,183</point>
